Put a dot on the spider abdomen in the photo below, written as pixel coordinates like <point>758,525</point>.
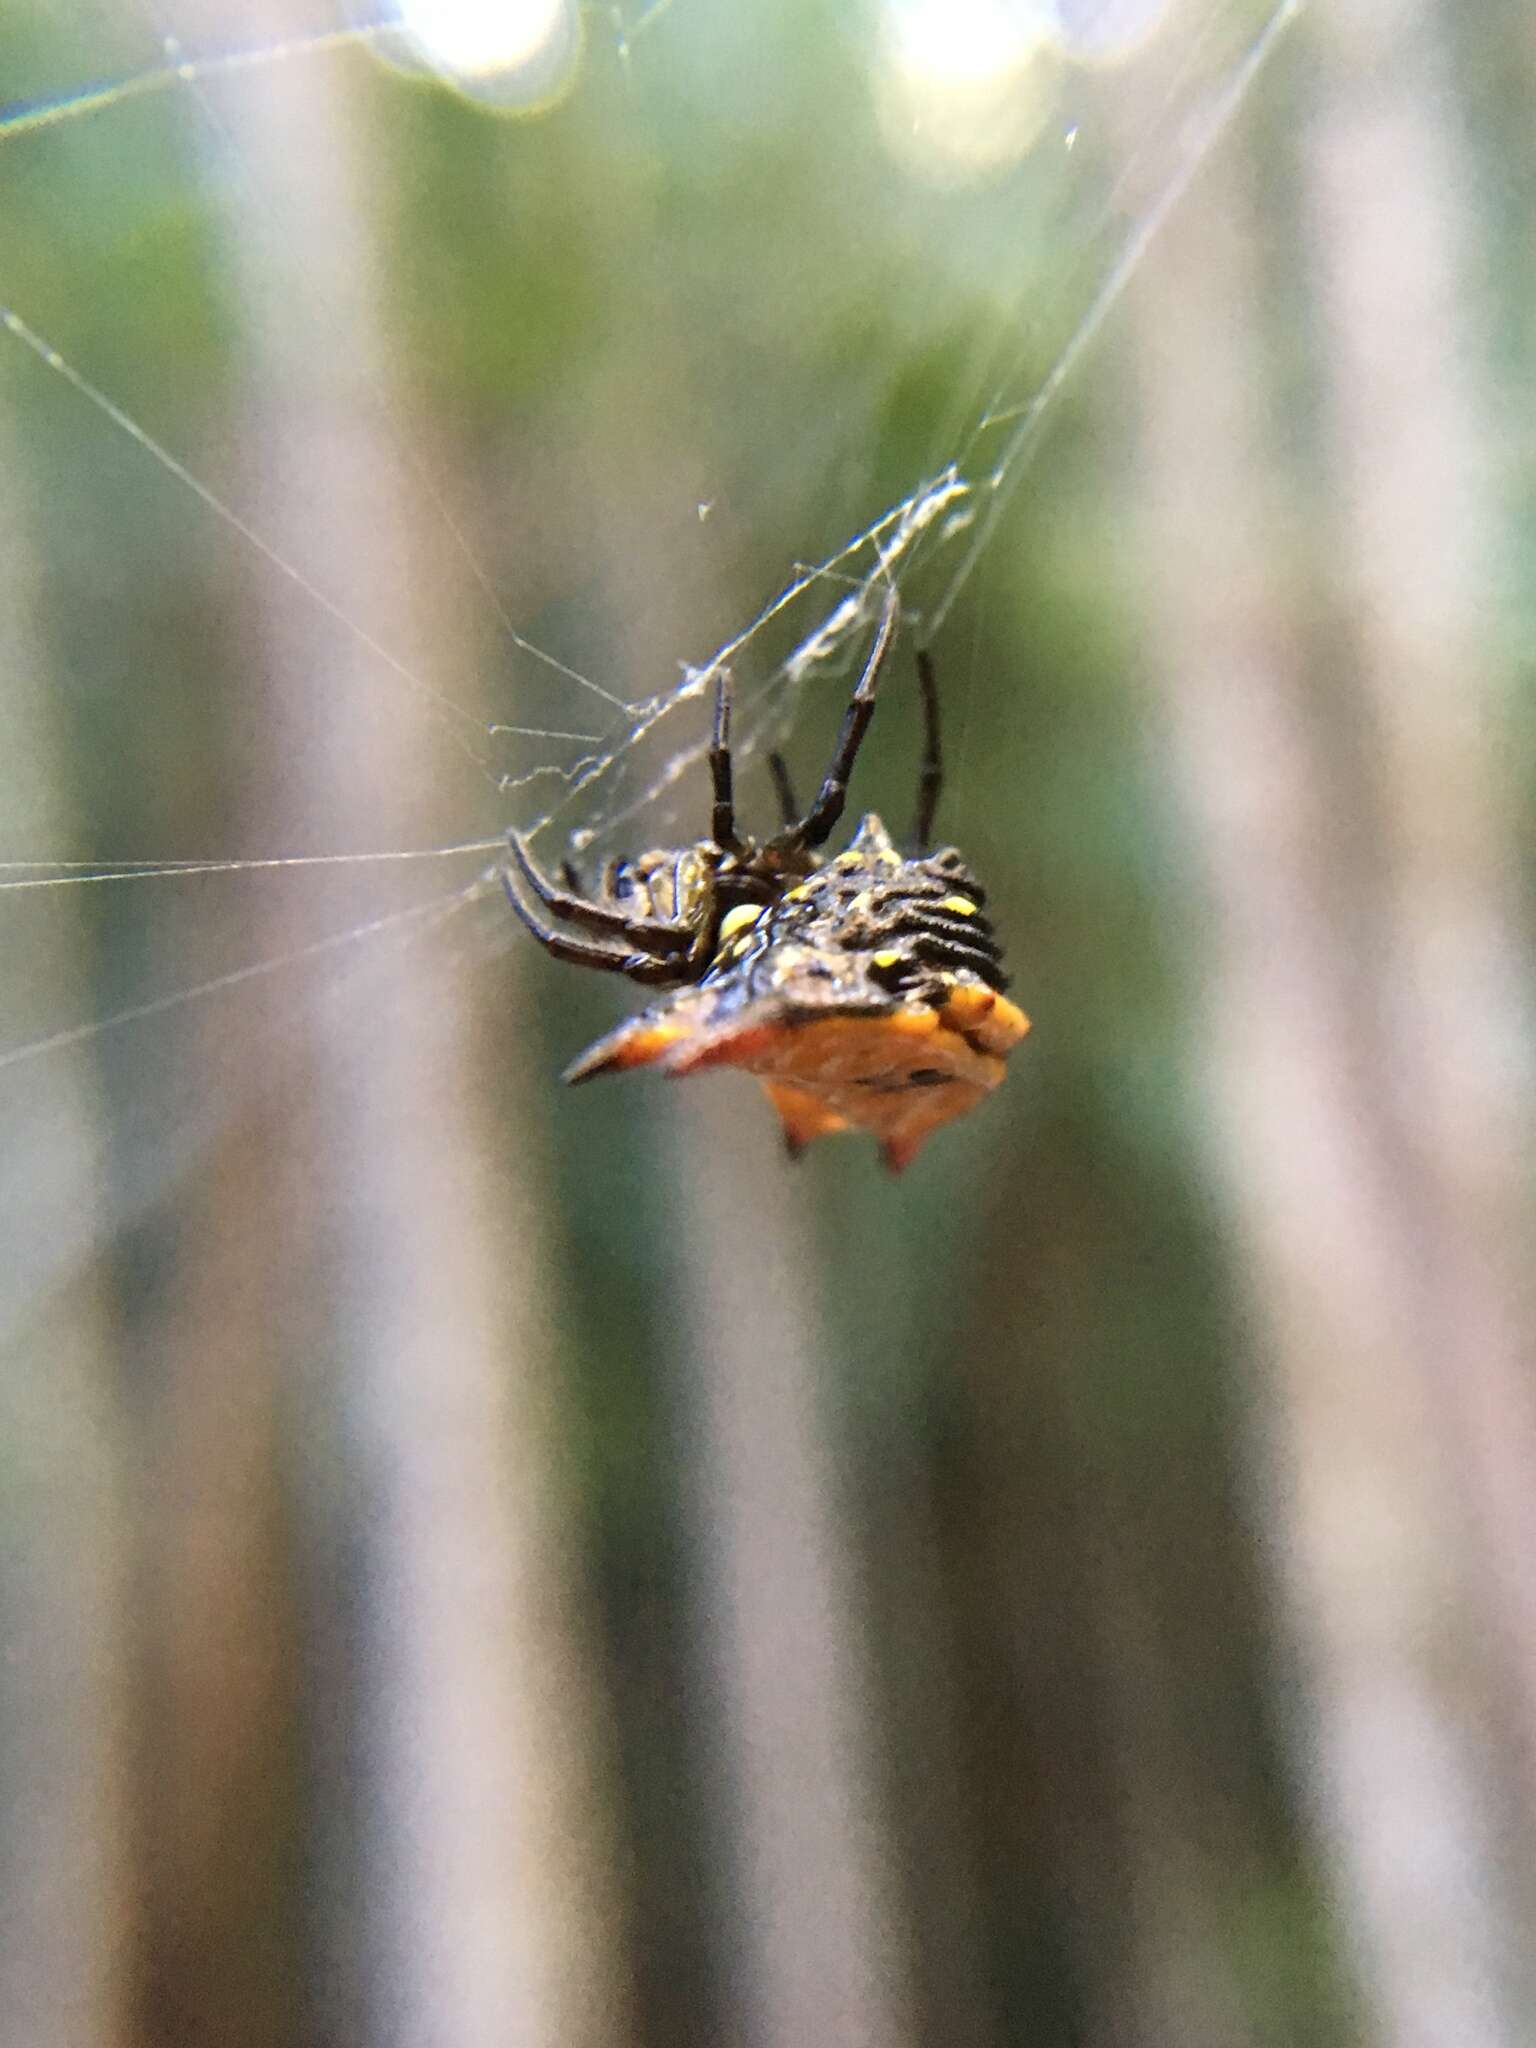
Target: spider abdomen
<point>869,994</point>
<point>911,920</point>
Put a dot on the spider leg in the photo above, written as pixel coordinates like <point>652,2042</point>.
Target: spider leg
<point>584,910</point>
<point>784,789</point>
<point>816,826</point>
<point>582,952</point>
<point>723,817</point>
<point>930,774</point>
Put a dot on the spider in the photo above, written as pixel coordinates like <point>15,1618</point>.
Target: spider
<point>863,990</point>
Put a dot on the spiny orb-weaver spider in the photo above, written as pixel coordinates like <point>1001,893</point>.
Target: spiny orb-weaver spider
<point>863,990</point>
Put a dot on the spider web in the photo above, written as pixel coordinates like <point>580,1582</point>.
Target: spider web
<point>126,154</point>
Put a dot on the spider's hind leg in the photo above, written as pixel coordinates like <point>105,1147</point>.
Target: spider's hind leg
<point>930,774</point>
<point>722,825</point>
<point>784,789</point>
<point>816,826</point>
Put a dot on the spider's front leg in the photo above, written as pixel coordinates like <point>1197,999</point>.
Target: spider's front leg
<point>653,969</point>
<point>657,933</point>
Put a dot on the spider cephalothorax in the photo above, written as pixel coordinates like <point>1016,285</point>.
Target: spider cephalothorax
<point>864,990</point>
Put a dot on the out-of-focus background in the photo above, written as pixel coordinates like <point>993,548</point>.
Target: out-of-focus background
<point>485,1566</point>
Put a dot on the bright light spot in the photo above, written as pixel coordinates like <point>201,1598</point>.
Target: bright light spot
<point>469,38</point>
<point>965,42</point>
<point>512,53</point>
<point>966,84</point>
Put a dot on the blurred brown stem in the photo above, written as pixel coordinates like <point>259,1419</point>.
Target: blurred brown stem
<point>65,1927</point>
<point>1381,1581</point>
